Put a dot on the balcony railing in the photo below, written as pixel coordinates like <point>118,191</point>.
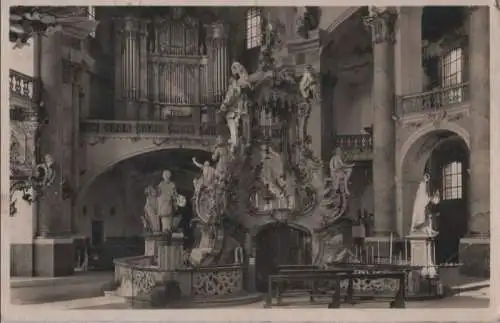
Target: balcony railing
<point>358,142</point>
<point>434,100</point>
<point>21,85</point>
<point>141,128</point>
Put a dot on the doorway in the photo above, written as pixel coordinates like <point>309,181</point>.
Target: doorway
<point>448,166</point>
<point>280,244</point>
<point>97,228</point>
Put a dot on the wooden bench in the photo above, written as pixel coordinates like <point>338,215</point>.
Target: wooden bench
<point>335,276</point>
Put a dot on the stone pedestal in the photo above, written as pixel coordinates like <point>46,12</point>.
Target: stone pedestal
<point>54,257</point>
<point>423,252</point>
<point>170,252</point>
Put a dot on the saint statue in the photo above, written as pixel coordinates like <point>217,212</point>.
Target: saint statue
<point>424,209</point>
<point>150,219</point>
<point>309,87</point>
<point>340,172</point>
<point>168,201</point>
<point>207,177</point>
<point>235,104</point>
<point>221,156</point>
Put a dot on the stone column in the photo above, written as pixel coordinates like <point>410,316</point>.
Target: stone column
<point>381,22</point>
<point>479,71</point>
<point>54,247</point>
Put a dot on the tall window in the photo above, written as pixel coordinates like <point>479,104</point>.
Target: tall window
<point>254,32</point>
<point>452,75</point>
<point>452,181</point>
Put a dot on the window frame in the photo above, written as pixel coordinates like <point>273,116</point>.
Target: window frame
<point>452,182</point>
<point>253,28</point>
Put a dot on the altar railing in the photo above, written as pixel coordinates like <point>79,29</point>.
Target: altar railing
<point>434,100</point>
<point>355,146</point>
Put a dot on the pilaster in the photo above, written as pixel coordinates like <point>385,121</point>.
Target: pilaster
<point>479,71</point>
<point>381,23</point>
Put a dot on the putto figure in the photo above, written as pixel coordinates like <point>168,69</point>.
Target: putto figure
<point>207,177</point>
<point>309,87</point>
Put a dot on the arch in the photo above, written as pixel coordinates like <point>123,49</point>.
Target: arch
<point>100,169</point>
<point>425,130</point>
<point>414,155</point>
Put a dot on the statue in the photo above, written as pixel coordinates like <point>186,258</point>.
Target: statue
<point>221,156</point>
<point>150,219</point>
<point>340,172</point>
<point>235,104</point>
<point>207,177</point>
<point>44,173</point>
<point>307,20</point>
<point>309,87</point>
<point>423,209</point>
<point>168,201</point>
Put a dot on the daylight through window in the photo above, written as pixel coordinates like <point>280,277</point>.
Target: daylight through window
<point>253,23</point>
<point>452,75</point>
<point>452,181</point>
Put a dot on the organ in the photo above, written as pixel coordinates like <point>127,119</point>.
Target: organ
<point>166,68</point>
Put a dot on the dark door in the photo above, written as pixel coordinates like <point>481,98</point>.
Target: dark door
<point>280,245</point>
<point>97,233</point>
<point>452,220</point>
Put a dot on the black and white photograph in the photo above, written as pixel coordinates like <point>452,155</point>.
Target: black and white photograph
<point>240,157</point>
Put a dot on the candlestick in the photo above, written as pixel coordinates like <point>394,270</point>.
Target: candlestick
<point>390,249</point>
<point>373,254</point>
<point>406,250</point>
<point>378,251</point>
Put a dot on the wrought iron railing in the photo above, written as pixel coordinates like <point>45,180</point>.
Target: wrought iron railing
<point>157,128</point>
<point>434,100</point>
<point>357,142</point>
<point>21,85</point>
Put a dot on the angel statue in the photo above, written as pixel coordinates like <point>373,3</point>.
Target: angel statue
<point>207,177</point>
<point>309,87</point>
<point>340,171</point>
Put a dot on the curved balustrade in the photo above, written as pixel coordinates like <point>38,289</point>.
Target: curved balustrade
<point>137,277</point>
<point>434,100</point>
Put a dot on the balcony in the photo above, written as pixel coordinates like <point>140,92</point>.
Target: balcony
<point>138,129</point>
<point>21,96</point>
<point>433,101</point>
<point>355,147</point>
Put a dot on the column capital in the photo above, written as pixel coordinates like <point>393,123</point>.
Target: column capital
<point>382,22</point>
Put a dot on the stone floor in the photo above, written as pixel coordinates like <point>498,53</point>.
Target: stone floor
<point>475,295</point>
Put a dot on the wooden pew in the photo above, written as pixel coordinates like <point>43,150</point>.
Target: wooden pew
<point>336,276</point>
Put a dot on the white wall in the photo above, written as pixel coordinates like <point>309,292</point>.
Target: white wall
<point>352,106</point>
<point>22,224</point>
<point>21,59</point>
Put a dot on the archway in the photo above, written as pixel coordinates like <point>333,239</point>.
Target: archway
<point>280,244</point>
<point>444,155</point>
<point>110,213</point>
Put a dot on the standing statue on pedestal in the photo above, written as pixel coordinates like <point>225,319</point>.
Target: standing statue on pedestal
<point>235,104</point>
<point>340,172</point>
<point>424,209</point>
<point>168,202</point>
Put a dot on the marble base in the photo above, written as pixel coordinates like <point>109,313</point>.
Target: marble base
<point>21,260</point>
<point>474,256</point>
<point>54,257</point>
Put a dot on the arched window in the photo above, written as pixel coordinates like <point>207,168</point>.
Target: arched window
<point>253,28</point>
<point>452,181</point>
<point>452,75</point>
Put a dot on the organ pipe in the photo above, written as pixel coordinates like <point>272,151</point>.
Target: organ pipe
<point>154,68</point>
